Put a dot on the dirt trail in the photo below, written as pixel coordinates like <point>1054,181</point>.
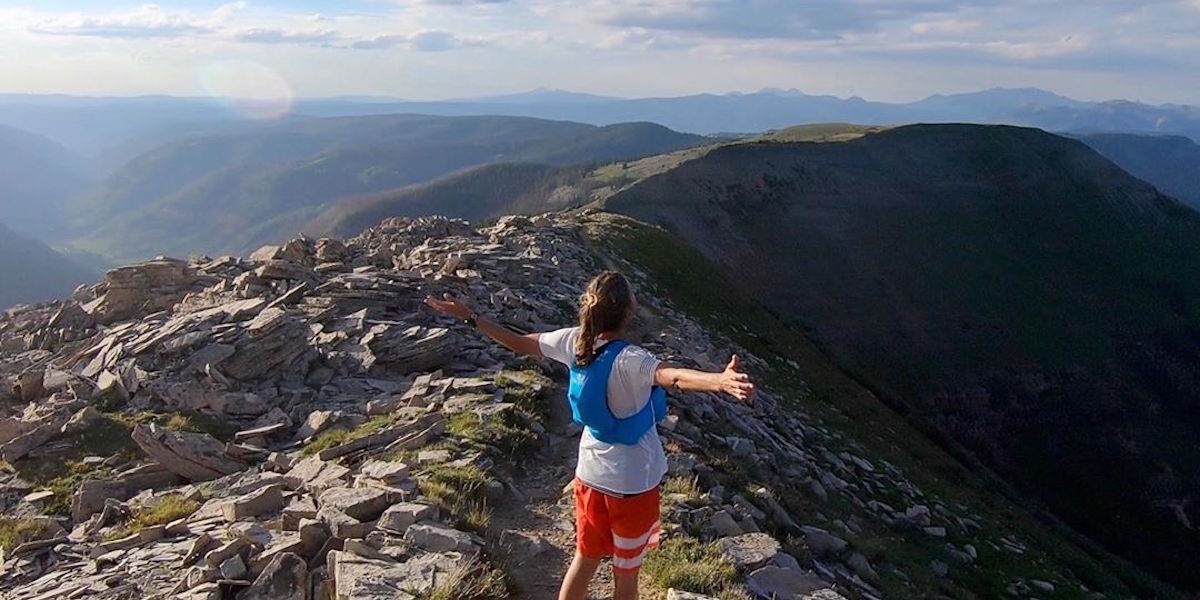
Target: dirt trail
<point>547,512</point>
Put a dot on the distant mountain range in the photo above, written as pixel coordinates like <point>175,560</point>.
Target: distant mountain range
<point>230,192</point>
<point>108,128</point>
<point>39,180</point>
<point>31,272</point>
<point>1171,163</point>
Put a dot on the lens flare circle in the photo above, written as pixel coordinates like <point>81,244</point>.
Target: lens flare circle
<point>247,88</point>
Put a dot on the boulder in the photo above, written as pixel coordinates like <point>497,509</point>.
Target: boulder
<point>267,500</point>
<point>774,583</point>
<point>674,594</point>
<point>749,551</point>
<point>284,578</point>
<point>821,542</point>
<point>195,456</point>
<point>363,504</point>
<point>369,579</point>
<point>400,517</point>
<point>313,474</point>
<point>436,537</point>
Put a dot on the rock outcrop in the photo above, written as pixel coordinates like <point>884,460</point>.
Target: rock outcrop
<point>346,412</point>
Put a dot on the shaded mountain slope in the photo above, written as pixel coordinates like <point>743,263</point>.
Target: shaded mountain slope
<point>227,193</point>
<point>38,180</point>
<point>1170,163</point>
<point>1013,292</point>
<point>480,193</point>
<point>32,272</point>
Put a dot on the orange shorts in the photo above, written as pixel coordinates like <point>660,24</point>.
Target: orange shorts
<point>622,527</point>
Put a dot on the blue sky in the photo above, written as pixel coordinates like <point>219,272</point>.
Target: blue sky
<point>425,49</point>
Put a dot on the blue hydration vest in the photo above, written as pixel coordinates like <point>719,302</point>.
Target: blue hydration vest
<point>588,394</point>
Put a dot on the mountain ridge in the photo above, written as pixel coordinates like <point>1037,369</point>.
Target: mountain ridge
<point>960,293</point>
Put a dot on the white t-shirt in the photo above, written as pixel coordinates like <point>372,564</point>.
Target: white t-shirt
<point>616,468</point>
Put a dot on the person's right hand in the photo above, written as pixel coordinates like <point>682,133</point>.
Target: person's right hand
<point>736,383</point>
<point>449,305</point>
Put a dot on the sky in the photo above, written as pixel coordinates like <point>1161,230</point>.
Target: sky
<point>888,50</point>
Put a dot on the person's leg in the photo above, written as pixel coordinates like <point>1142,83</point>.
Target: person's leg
<point>593,541</point>
<point>635,529</point>
<point>575,584</point>
<point>625,585</point>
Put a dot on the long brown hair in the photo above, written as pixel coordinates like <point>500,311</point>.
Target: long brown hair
<point>602,308</point>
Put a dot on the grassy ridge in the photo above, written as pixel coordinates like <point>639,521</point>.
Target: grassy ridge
<point>808,381</point>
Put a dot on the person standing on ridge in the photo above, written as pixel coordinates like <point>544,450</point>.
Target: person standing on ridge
<point>616,393</point>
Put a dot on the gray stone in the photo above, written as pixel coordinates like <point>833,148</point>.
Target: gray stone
<point>821,542</point>
<point>195,456</point>
<point>284,578</point>
<point>749,551</point>
<point>342,525</point>
<point>774,583</point>
<point>825,594</point>
<point>390,473</point>
<point>436,537</point>
<point>267,500</point>
<point>361,578</point>
<point>674,594</point>
<point>363,504</point>
<point>722,524</point>
<point>862,566</point>
<point>400,517</point>
<point>233,568</point>
<point>315,475</point>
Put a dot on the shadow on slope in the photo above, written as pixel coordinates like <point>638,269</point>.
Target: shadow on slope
<point>1011,291</point>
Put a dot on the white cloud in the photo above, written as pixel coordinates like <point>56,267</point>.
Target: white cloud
<point>263,35</point>
<point>944,26</point>
<point>147,21</point>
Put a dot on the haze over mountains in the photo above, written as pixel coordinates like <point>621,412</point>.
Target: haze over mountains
<point>1030,300</point>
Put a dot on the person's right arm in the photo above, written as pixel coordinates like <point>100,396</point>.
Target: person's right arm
<point>730,381</point>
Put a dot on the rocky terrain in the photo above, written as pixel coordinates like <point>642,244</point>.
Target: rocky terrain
<point>296,425</point>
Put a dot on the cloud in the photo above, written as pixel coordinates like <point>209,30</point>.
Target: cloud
<point>148,21</point>
<point>263,35</point>
<point>944,26</point>
<point>421,41</point>
<point>757,19</point>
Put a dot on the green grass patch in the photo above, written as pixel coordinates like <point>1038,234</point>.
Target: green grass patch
<point>475,581</point>
<point>506,432</point>
<point>189,421</point>
<point>686,564</point>
<point>687,486</point>
<point>14,532</point>
<point>159,512</point>
<point>461,493</point>
<point>528,389</point>
<point>337,436</point>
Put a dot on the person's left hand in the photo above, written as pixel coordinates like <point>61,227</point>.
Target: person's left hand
<point>736,383</point>
<point>449,305</point>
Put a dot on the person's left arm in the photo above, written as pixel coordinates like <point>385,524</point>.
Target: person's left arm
<point>521,344</point>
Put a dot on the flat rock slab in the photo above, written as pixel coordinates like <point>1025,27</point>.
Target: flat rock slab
<point>195,456</point>
<point>400,517</point>
<point>368,579</point>
<point>284,578</point>
<point>264,501</point>
<point>749,551</point>
<point>364,504</point>
<point>775,583</point>
<point>821,542</point>
<point>390,473</point>
<point>436,537</point>
<point>314,475</point>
